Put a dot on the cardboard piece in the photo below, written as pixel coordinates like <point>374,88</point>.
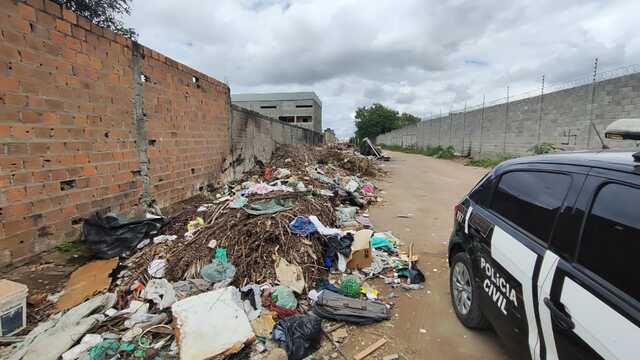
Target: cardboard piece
<point>263,325</point>
<point>211,324</point>
<point>361,255</point>
<point>290,275</point>
<point>85,282</point>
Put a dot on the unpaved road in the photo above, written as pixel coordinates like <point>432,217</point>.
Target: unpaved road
<point>428,189</point>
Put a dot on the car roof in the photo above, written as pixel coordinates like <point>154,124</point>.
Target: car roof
<point>614,160</point>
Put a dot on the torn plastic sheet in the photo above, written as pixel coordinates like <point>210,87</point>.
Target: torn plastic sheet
<point>161,292</point>
<point>50,339</point>
<point>114,234</point>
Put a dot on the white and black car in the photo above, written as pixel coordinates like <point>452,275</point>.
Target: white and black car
<point>546,250</point>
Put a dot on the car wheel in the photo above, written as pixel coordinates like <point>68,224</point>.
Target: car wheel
<point>465,292</point>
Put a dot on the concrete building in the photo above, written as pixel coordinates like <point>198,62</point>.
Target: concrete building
<point>299,108</point>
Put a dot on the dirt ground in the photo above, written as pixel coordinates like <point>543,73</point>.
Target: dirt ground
<point>424,325</point>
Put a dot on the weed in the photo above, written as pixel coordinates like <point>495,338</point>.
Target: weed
<point>69,247</point>
<point>543,148</point>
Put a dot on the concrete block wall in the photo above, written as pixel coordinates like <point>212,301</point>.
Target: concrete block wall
<point>560,118</point>
<point>255,137</point>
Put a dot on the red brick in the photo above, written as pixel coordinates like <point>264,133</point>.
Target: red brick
<point>69,15</point>
<point>21,25</point>
<point>17,149</point>
<point>16,210</point>
<point>8,83</point>
<point>27,12</point>
<point>63,26</point>
<point>52,8</point>
<point>24,133</point>
<point>57,37</point>
<point>30,117</point>
<point>15,194</point>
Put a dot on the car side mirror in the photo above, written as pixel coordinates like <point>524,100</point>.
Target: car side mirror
<point>623,129</point>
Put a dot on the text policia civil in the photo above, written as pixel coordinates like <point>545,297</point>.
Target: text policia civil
<point>497,286</point>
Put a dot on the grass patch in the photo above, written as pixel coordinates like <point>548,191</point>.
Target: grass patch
<point>69,247</point>
<point>486,163</point>
<point>434,151</point>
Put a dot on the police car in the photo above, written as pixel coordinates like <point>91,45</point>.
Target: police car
<point>546,250</point>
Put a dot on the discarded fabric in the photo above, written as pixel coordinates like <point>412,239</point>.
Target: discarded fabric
<point>368,189</point>
<point>302,226</point>
<point>299,335</point>
<point>268,207</point>
<point>323,229</point>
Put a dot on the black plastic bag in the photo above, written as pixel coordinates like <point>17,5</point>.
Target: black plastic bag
<point>299,335</point>
<point>112,235</point>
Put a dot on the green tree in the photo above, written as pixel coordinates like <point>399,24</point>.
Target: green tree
<point>105,13</point>
<point>378,119</point>
<point>374,120</point>
<point>408,119</point>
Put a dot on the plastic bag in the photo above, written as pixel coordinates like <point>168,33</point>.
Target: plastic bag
<point>218,271</point>
<point>114,234</point>
<point>299,335</point>
<point>284,297</point>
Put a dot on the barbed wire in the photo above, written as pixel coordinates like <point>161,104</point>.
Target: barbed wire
<point>548,88</point>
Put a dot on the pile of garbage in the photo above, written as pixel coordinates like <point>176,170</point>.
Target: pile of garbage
<point>250,270</point>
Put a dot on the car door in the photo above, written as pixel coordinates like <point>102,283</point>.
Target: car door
<point>590,301</point>
<point>526,202</point>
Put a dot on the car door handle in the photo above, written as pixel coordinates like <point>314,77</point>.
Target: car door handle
<point>558,316</point>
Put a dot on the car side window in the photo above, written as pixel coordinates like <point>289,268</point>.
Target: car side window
<point>531,200</point>
<point>481,194</point>
<point>611,237</point>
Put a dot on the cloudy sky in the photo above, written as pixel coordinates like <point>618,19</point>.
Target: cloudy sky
<point>419,56</point>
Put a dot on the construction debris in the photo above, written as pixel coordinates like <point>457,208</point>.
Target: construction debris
<point>85,282</point>
<point>267,256</point>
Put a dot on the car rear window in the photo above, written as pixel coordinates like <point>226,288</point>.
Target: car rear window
<point>611,237</point>
<point>531,200</point>
<point>481,193</point>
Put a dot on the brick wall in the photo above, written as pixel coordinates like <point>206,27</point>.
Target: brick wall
<point>560,118</point>
<point>91,122</point>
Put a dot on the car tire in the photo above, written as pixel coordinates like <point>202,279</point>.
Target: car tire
<point>467,308</point>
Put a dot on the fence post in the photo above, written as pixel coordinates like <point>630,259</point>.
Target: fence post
<point>506,121</point>
<point>464,126</point>
<point>481,127</point>
<point>540,110</point>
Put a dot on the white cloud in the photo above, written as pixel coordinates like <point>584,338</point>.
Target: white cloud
<point>413,55</point>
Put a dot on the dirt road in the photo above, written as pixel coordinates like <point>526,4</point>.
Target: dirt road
<point>424,326</point>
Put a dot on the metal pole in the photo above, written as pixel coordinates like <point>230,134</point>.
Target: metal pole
<point>593,96</point>
<point>450,128</point>
<point>506,119</point>
<point>481,126</point>
<point>540,110</point>
<point>464,126</point>
<point>439,127</point>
